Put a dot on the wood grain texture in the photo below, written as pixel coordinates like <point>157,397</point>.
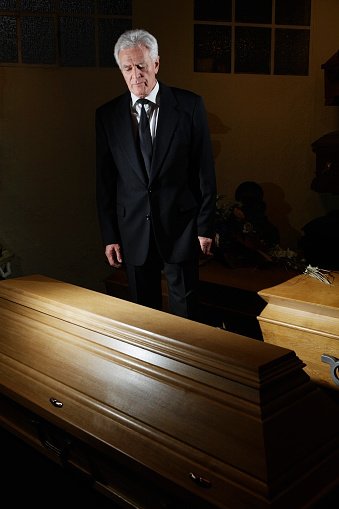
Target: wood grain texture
<point>168,396</point>
<point>303,314</point>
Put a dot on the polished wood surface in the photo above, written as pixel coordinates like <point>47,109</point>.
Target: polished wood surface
<point>228,296</point>
<point>303,314</point>
<point>136,397</point>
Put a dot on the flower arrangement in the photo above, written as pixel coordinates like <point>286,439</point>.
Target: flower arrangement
<point>244,234</point>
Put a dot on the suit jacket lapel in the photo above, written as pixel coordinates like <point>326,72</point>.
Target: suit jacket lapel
<point>126,136</point>
<point>167,121</point>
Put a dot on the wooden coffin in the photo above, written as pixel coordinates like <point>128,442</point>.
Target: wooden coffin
<point>159,411</point>
<point>303,314</point>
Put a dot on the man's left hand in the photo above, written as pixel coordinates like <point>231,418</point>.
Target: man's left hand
<point>206,245</point>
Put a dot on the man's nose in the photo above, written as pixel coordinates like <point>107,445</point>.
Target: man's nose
<point>136,72</point>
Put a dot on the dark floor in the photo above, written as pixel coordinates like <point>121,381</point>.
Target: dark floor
<point>31,479</point>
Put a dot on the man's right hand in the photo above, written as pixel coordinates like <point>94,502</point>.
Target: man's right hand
<point>113,255</point>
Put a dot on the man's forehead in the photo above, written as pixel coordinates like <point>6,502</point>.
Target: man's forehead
<point>137,52</point>
<point>129,59</point>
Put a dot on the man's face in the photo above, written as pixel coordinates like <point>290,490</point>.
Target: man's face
<point>138,70</point>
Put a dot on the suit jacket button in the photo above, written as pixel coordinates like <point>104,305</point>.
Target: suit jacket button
<point>148,217</point>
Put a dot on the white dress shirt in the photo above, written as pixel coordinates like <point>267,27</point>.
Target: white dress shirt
<point>152,109</point>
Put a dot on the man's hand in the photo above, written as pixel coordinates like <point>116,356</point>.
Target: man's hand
<point>206,245</point>
<point>113,254</point>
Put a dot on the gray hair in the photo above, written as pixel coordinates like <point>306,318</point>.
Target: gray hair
<point>134,38</point>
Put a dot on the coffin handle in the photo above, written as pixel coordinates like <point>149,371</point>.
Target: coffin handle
<point>334,366</point>
<point>59,445</point>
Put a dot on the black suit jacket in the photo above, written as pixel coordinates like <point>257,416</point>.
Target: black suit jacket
<point>177,200</point>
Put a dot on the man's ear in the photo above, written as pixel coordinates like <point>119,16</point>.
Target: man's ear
<point>157,65</point>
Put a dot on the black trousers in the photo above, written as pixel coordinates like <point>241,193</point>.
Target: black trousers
<point>182,280</point>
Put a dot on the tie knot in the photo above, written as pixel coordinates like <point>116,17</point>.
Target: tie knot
<point>145,112</point>
<point>143,101</point>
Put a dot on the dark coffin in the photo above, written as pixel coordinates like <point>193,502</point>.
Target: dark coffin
<point>159,411</point>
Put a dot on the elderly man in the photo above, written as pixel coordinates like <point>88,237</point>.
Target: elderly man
<point>156,186</point>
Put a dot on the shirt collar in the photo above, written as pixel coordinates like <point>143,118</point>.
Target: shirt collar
<point>152,97</point>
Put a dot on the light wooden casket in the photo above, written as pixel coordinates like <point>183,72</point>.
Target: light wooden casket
<point>303,314</point>
<point>159,411</point>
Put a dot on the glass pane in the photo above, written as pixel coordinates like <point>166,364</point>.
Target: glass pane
<point>119,7</point>
<point>212,48</point>
<point>36,5</point>
<point>77,41</point>
<point>213,10</point>
<point>77,6</point>
<point>291,51</point>
<point>247,11</point>
<point>38,40</point>
<point>252,50</point>
<point>7,5</point>
<point>109,31</point>
<point>293,12</point>
<point>8,46</point>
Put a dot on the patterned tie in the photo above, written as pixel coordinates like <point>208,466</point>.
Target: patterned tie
<point>145,135</point>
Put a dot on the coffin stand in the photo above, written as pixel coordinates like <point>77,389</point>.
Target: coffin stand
<point>158,411</point>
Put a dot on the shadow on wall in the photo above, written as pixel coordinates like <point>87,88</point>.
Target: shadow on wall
<point>320,241</point>
<point>278,210</point>
<point>216,128</point>
<point>216,125</point>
